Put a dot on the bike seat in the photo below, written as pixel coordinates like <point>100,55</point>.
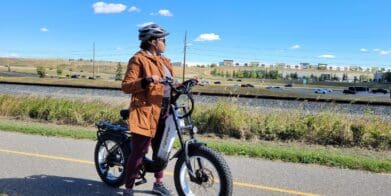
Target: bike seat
<point>124,114</point>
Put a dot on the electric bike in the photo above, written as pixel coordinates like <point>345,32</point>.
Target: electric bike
<point>199,170</point>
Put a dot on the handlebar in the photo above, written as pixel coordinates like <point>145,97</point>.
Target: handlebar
<point>182,89</point>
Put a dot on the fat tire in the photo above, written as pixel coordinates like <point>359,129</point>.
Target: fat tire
<point>126,152</point>
<point>216,159</point>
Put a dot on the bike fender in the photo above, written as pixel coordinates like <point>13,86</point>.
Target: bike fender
<point>191,146</point>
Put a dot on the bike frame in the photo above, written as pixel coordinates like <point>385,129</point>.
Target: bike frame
<point>121,131</point>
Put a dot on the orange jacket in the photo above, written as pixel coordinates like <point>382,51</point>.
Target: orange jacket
<point>145,103</point>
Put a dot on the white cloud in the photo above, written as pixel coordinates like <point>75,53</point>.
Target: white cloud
<point>364,50</point>
<point>165,13</point>
<point>385,52</point>
<point>207,37</point>
<point>44,29</point>
<point>162,13</point>
<point>134,9</point>
<point>376,50</point>
<point>145,24</point>
<point>295,46</point>
<point>108,8</point>
<point>327,56</point>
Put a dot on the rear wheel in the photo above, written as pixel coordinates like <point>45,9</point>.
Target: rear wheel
<point>213,178</point>
<point>110,160</point>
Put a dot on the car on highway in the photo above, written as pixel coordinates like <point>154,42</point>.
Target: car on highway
<point>329,90</point>
<point>247,85</point>
<point>275,88</point>
<point>379,90</point>
<point>204,83</point>
<point>321,91</point>
<point>348,91</point>
<point>289,85</point>
<point>358,88</point>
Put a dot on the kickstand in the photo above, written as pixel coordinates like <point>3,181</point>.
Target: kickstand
<point>141,176</point>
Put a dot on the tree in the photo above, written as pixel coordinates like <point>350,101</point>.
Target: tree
<point>273,74</point>
<point>213,72</point>
<point>221,73</point>
<point>118,72</point>
<point>260,75</point>
<point>387,77</point>
<point>253,74</point>
<point>233,74</point>
<point>41,71</point>
<point>344,77</point>
<point>293,75</point>
<point>227,74</point>
<point>240,74</point>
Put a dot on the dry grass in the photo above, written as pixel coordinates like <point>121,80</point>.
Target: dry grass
<point>224,119</point>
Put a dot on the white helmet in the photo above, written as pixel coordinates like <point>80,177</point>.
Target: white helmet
<point>151,31</point>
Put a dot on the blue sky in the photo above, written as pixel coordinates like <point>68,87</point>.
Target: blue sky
<point>337,32</point>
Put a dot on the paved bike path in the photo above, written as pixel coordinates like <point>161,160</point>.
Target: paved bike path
<point>38,165</point>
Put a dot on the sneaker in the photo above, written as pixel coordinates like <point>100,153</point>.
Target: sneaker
<point>160,189</point>
<point>127,192</point>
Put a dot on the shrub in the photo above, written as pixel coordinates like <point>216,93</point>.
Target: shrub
<point>59,71</point>
<point>41,71</point>
<point>327,129</point>
<point>223,119</point>
<point>358,132</point>
<point>59,110</point>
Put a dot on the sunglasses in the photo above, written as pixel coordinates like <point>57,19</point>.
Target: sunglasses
<point>162,39</point>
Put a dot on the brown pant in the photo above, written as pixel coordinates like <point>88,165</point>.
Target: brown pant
<point>140,145</point>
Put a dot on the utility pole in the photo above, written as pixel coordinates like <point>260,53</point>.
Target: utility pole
<point>93,60</point>
<point>184,56</point>
<point>8,63</point>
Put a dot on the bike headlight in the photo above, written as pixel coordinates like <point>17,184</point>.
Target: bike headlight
<point>181,123</point>
<point>195,129</point>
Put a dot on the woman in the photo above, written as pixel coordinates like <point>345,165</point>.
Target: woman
<point>149,102</point>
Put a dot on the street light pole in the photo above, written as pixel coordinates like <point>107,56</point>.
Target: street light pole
<point>184,57</point>
<point>93,60</point>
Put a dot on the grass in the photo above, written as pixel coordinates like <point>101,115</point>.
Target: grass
<point>44,129</point>
<point>299,154</point>
<point>224,118</point>
<point>359,159</point>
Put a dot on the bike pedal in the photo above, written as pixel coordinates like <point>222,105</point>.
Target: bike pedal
<point>143,181</point>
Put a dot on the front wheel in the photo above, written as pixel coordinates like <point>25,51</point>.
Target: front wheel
<point>211,170</point>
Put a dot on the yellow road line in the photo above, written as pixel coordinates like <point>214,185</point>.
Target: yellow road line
<point>241,184</point>
<point>46,156</point>
<point>293,192</point>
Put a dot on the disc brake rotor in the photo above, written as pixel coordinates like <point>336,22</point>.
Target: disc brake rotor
<point>206,177</point>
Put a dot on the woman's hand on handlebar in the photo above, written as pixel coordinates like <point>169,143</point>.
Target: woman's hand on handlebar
<point>155,79</point>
